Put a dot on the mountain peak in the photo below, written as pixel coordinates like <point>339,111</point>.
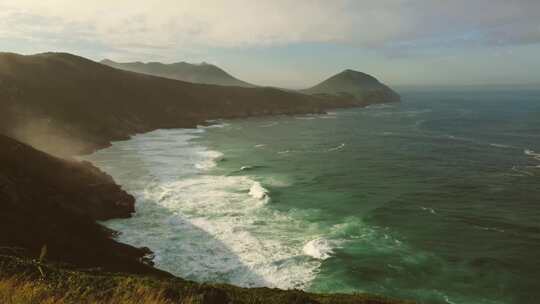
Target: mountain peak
<point>354,83</point>
<point>355,76</point>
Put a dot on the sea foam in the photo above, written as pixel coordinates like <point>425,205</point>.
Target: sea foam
<point>319,248</point>
<point>207,227</point>
<point>259,192</point>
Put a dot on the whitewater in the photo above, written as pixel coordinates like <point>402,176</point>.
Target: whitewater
<point>434,199</point>
<point>204,226</point>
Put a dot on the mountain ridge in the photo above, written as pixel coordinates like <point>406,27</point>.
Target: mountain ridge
<point>357,84</point>
<point>66,104</point>
<point>204,73</point>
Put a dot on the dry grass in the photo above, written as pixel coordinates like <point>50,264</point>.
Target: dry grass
<point>22,291</point>
<point>24,281</point>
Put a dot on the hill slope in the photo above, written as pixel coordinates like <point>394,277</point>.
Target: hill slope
<point>65,104</point>
<point>196,73</point>
<point>357,84</point>
<point>48,201</point>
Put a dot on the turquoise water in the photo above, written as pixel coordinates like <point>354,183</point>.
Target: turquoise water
<point>435,199</point>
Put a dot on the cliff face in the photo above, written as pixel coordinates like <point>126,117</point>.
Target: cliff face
<point>49,201</point>
<point>360,86</point>
<point>196,73</point>
<point>67,105</point>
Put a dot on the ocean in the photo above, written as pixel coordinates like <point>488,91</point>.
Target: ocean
<point>434,199</point>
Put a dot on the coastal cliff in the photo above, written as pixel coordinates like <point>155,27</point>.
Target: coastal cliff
<point>68,105</point>
<point>51,244</point>
<point>52,249</point>
<point>47,201</point>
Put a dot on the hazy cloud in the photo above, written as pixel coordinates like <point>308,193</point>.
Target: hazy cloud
<point>241,23</point>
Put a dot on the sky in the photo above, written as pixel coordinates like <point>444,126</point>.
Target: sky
<point>294,43</point>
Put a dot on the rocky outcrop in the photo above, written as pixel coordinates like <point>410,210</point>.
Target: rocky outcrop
<point>47,201</point>
<point>76,186</point>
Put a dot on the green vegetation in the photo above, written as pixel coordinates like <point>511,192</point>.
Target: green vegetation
<point>21,282</point>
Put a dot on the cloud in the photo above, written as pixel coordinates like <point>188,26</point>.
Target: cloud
<point>191,24</point>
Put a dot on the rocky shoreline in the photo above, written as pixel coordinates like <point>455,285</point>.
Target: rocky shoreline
<point>50,205</point>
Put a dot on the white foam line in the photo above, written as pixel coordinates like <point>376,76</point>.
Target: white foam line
<point>207,227</point>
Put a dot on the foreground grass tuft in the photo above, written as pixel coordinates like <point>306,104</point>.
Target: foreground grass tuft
<point>23,291</point>
<point>26,281</point>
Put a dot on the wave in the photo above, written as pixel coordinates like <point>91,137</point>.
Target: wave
<point>533,154</point>
<point>319,248</point>
<point>329,115</point>
<point>430,210</point>
<point>382,112</point>
<point>210,159</point>
<point>250,168</point>
<point>212,124</point>
<point>203,226</point>
<point>490,229</point>
<point>379,106</point>
<point>337,148</point>
<point>268,125</point>
<point>259,192</point>
<point>500,146</point>
<point>521,172</point>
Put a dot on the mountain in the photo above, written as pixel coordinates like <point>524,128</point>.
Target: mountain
<point>196,73</point>
<point>359,85</point>
<point>66,105</point>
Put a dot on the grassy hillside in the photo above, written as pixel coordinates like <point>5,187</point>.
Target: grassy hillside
<point>47,201</point>
<point>53,251</point>
<point>67,105</point>
<point>356,84</point>
<point>24,281</point>
<point>196,73</point>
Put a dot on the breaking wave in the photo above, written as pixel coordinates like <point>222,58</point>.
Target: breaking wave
<point>319,248</point>
<point>208,227</point>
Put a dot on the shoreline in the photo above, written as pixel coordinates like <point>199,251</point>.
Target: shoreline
<point>204,160</point>
<point>14,264</point>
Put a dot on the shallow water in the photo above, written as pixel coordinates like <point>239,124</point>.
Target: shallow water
<point>435,199</point>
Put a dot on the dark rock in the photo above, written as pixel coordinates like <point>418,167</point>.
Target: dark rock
<point>49,201</point>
